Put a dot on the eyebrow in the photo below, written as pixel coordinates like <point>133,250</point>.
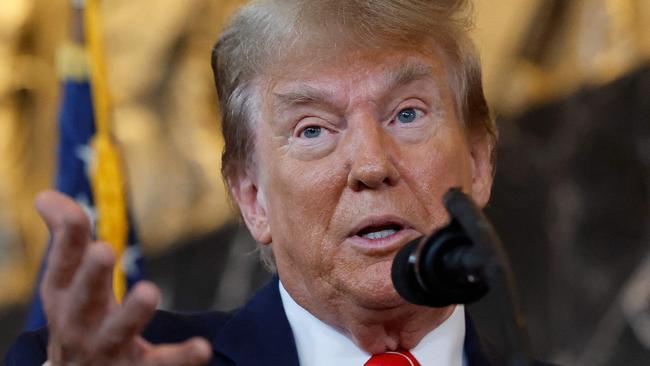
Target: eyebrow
<point>412,70</point>
<point>304,94</point>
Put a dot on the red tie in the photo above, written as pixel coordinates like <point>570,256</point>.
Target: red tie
<point>393,358</point>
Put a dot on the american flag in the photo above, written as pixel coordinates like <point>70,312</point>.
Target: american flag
<point>75,154</point>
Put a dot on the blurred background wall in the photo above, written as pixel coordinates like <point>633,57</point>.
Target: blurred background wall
<point>569,82</point>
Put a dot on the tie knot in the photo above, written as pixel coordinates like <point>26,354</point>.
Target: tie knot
<point>393,358</point>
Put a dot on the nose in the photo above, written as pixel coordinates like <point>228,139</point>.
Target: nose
<point>371,153</point>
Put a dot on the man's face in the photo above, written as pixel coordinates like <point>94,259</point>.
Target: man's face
<point>351,162</point>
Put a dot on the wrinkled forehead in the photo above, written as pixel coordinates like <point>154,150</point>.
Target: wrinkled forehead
<point>373,74</point>
<point>318,51</point>
<point>294,80</point>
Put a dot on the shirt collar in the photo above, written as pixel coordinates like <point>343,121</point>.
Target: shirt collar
<point>320,344</point>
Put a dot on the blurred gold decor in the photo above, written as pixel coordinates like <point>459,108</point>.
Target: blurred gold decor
<point>165,113</point>
<point>29,34</point>
<point>165,120</point>
<point>165,108</point>
<point>534,51</point>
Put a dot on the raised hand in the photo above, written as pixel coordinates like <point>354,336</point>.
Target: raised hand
<point>86,325</point>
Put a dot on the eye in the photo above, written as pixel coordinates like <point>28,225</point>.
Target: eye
<point>407,115</point>
<point>311,132</point>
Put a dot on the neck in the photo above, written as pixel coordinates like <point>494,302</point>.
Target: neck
<point>377,331</point>
<point>373,329</point>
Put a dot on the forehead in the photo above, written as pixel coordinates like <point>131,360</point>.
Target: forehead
<point>368,72</point>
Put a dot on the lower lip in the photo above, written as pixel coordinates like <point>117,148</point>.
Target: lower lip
<point>383,246</point>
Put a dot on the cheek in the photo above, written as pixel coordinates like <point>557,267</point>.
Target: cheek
<point>302,200</point>
<point>434,167</point>
<point>306,189</point>
<point>443,168</point>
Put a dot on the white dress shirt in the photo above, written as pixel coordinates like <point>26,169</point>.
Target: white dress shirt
<point>319,344</point>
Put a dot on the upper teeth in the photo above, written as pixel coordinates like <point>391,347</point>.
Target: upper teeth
<point>379,234</point>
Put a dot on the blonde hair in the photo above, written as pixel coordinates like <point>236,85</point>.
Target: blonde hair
<point>267,33</point>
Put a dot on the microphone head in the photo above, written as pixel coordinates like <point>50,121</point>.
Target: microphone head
<point>403,274</point>
<point>432,270</point>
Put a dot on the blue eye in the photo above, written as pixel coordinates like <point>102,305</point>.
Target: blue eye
<point>312,132</point>
<point>407,115</point>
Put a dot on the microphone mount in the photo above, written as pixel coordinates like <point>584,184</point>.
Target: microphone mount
<point>453,265</point>
<point>460,264</point>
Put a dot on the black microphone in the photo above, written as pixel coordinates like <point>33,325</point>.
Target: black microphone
<point>452,265</point>
<point>459,264</point>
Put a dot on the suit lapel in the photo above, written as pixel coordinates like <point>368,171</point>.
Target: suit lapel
<point>473,347</point>
<point>258,334</point>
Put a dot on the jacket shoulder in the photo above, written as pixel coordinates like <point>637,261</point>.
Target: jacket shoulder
<point>30,348</point>
<point>172,327</point>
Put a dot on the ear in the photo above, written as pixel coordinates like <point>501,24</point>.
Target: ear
<point>252,204</point>
<point>482,146</point>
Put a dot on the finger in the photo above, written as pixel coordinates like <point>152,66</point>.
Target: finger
<point>70,230</point>
<point>129,320</point>
<point>193,352</point>
<point>92,287</point>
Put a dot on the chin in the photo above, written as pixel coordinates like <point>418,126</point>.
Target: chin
<point>374,289</point>
<point>381,300</point>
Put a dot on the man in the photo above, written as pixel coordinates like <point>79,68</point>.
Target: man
<point>345,122</point>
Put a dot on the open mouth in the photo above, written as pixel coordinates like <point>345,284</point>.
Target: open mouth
<point>374,232</point>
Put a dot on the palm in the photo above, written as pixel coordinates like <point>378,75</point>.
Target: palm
<point>86,325</point>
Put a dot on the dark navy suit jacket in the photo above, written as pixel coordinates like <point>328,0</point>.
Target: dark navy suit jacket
<point>257,334</point>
